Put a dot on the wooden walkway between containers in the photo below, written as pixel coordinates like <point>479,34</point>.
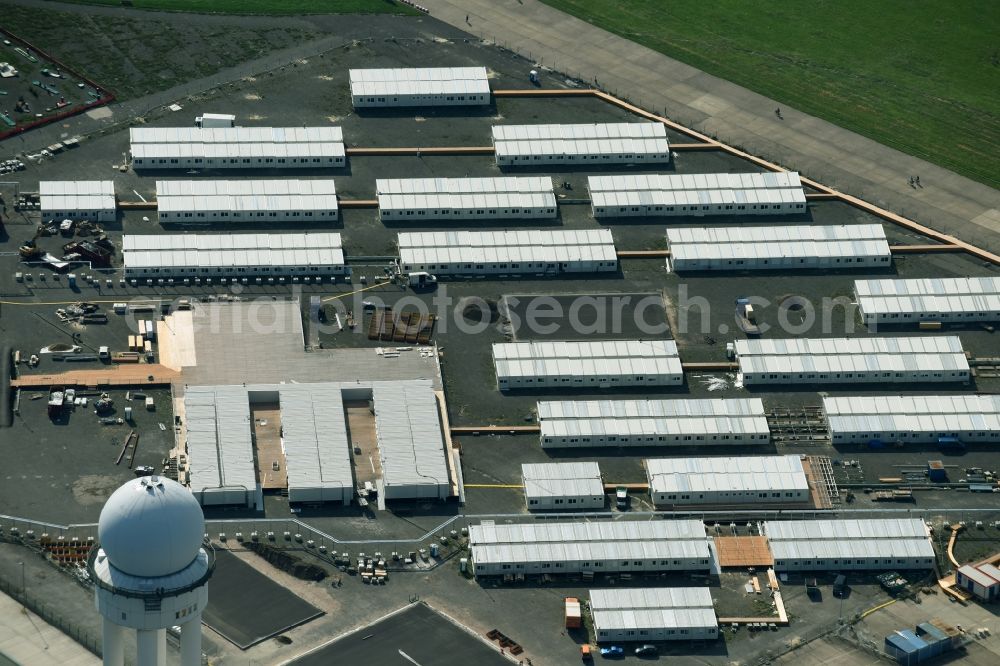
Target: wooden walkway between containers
<point>743,551</point>
<point>136,374</point>
<point>428,150</point>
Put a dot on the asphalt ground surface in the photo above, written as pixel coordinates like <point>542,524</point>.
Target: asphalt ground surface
<point>417,635</point>
<point>586,316</point>
<point>246,607</point>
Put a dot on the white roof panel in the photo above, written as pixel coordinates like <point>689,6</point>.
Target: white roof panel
<point>726,474</point>
<point>572,479</point>
<point>408,427</point>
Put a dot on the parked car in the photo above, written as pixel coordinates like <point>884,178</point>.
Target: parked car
<point>646,651</point>
<point>613,651</point>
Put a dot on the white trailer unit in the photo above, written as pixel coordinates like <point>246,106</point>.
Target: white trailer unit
<point>410,443</point>
<point>561,486</point>
<point>852,360</point>
<point>673,422</point>
<point>645,614</point>
<point>215,120</point>
<point>800,247</point>
<point>219,445</point>
<point>594,144</point>
<point>913,419</point>
<point>420,86</point>
<point>539,252</point>
<point>697,194</point>
<point>727,480</point>
<point>234,256</point>
<point>315,443</point>
<point>928,299</point>
<point>646,546</point>
<point>78,200</point>
<point>874,544</point>
<point>212,201</point>
<point>592,364</point>
<point>415,200</point>
<point>237,147</point>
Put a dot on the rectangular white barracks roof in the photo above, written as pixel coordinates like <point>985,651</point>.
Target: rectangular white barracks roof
<point>236,142</point>
<point>913,413</point>
<point>929,295</point>
<point>590,541</point>
<point>77,195</point>
<point>695,189</point>
<point>541,245</point>
<point>419,81</point>
<point>246,195</point>
<point>408,428</point>
<point>849,538</point>
<point>767,242</point>
<point>571,479</point>
<point>726,474</point>
<point>465,193</point>
<point>215,250</point>
<point>863,354</point>
<point>681,416</point>
<point>653,608</point>
<point>581,139</point>
<point>219,444</point>
<point>586,358</point>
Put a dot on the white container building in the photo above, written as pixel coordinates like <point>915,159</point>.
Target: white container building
<point>798,247</point>
<point>215,120</point>
<point>77,200</point>
<point>647,614</point>
<point>213,201</point>
<point>727,480</point>
<point>416,200</point>
<point>562,486</point>
<point>873,544</point>
<point>596,547</point>
<point>410,443</point>
<point>881,360</point>
<point>655,195</point>
<point>592,143</point>
<point>913,419</point>
<point>219,443</point>
<point>982,580</point>
<point>928,299</point>
<point>587,364</point>
<point>315,441</point>
<point>237,147</point>
<point>420,86</point>
<point>233,255</point>
<point>672,422</point>
<point>538,252</point>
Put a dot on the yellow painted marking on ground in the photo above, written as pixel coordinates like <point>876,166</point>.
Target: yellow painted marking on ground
<point>879,607</point>
<point>357,291</point>
<point>492,485</point>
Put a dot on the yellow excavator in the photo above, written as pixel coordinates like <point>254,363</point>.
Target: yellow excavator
<point>29,250</point>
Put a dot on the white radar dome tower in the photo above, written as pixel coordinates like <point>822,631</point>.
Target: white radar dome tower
<point>150,570</point>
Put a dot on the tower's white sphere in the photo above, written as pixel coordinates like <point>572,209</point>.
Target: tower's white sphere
<point>151,526</point>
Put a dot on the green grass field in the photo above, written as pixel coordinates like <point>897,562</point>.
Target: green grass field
<point>271,7</point>
<point>917,75</point>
